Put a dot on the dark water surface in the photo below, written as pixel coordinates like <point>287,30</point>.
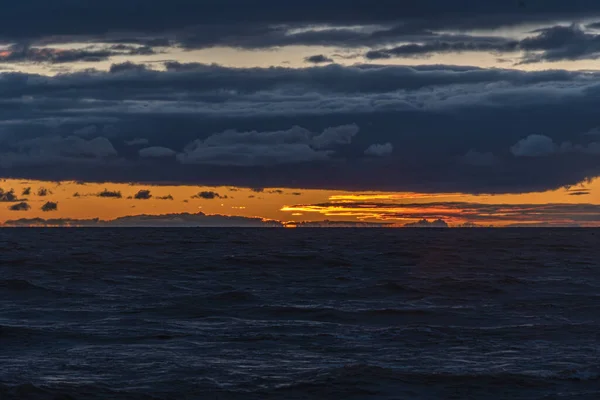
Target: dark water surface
<point>299,314</point>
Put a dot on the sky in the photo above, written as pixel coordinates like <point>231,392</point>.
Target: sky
<point>453,112</point>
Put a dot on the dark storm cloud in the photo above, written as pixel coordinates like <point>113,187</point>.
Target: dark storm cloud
<point>110,194</point>
<point>594,25</point>
<point>318,59</point>
<point>579,193</point>
<point>50,206</point>
<point>56,150</point>
<point>24,53</point>
<point>8,196</point>
<point>22,206</point>
<point>561,43</point>
<point>436,46</point>
<point>151,19</point>
<point>448,128</point>
<point>208,195</point>
<point>143,195</point>
<point>197,82</point>
<point>555,43</point>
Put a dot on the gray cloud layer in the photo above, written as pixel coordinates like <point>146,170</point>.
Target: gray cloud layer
<point>155,17</point>
<point>448,128</point>
<point>136,27</point>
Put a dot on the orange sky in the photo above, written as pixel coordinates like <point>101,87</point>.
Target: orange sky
<point>272,203</point>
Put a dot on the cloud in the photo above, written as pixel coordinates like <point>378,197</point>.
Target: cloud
<point>318,59</point>
<point>156,152</point>
<point>167,197</point>
<point>8,196</point>
<point>22,206</point>
<point>127,67</point>
<point>110,194</point>
<point>252,148</point>
<point>208,195</point>
<point>26,191</point>
<point>579,193</point>
<point>540,145</point>
<point>43,192</point>
<point>559,42</point>
<point>379,150</point>
<point>269,127</point>
<point>457,213</point>
<point>24,53</point>
<point>436,45</point>
<point>49,206</point>
<point>53,150</point>
<point>554,43</point>
<point>267,23</point>
<point>143,195</point>
<point>534,146</point>
<point>594,25</point>
<point>332,137</point>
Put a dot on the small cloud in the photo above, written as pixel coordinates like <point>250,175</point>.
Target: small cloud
<point>110,194</point>
<point>22,206</point>
<point>43,192</point>
<point>136,142</point>
<point>318,59</point>
<point>50,206</point>
<point>26,191</point>
<point>143,195</point>
<point>7,197</point>
<point>296,194</point>
<point>258,190</point>
<point>579,193</point>
<point>167,197</point>
<point>534,146</point>
<point>128,65</point>
<point>339,135</point>
<point>379,150</point>
<point>76,194</point>
<point>208,196</point>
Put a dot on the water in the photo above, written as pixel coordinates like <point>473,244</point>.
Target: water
<point>299,314</point>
